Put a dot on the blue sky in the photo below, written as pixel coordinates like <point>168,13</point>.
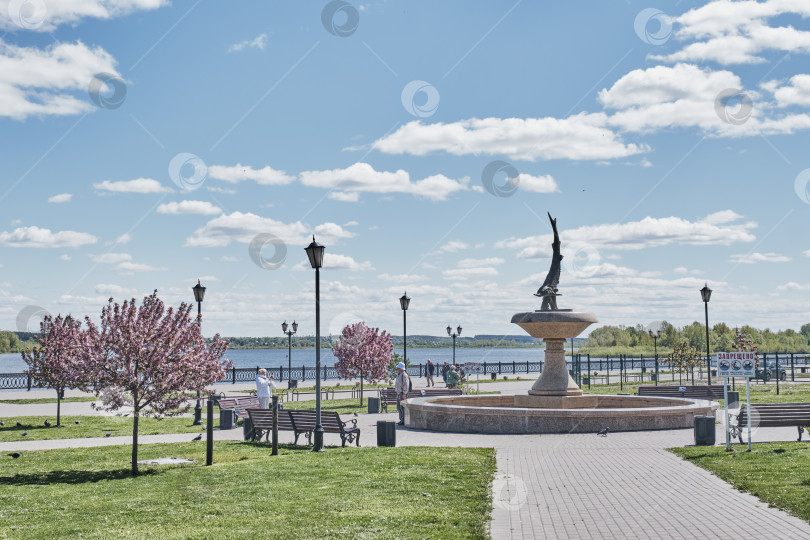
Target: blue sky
<point>149,144</point>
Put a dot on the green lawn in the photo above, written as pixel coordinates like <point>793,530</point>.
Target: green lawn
<point>40,401</point>
<point>377,493</point>
<point>92,426</point>
<point>776,473</point>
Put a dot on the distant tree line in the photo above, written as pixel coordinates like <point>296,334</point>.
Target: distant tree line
<point>636,340</point>
<point>414,342</point>
<point>11,342</point>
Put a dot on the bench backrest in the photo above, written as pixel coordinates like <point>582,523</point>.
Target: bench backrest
<point>777,411</point>
<point>263,419</point>
<point>390,395</point>
<point>715,391</point>
<point>305,420</point>
<point>240,404</point>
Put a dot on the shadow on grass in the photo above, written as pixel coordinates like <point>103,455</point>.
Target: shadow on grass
<point>71,477</point>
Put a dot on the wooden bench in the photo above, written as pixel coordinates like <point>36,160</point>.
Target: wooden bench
<point>240,405</point>
<point>389,395</point>
<point>714,391</point>
<point>262,422</point>
<point>304,422</point>
<point>773,415</point>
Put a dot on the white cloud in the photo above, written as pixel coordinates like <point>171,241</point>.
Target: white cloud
<point>344,197</point>
<point>131,267</point>
<point>684,270</point>
<point>115,290</point>
<point>111,258</point>
<point>37,237</point>
<point>139,185</point>
<point>584,136</point>
<point>793,286</point>
<point>537,184</point>
<point>464,273</point>
<point>60,198</point>
<point>189,207</point>
<point>795,92</point>
<point>123,239</point>
<point>736,32</point>
<point>402,278</point>
<point>259,42</point>
<point>335,261</point>
<point>225,258</point>
<point>806,253</point>
<point>65,257</point>
<point>237,173</point>
<point>225,191</point>
<point>242,227</point>
<point>362,177</point>
<point>646,233</point>
<point>751,258</point>
<point>453,246</point>
<point>474,263</point>
<point>54,14</point>
<point>37,82</point>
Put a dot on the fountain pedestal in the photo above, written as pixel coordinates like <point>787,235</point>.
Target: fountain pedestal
<point>554,327</point>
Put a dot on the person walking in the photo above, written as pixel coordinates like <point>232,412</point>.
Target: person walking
<point>429,370</point>
<point>264,388</point>
<point>445,369</point>
<point>401,386</point>
<point>452,378</point>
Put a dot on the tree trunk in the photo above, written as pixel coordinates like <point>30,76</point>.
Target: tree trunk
<point>361,389</point>
<point>135,442</point>
<point>58,407</point>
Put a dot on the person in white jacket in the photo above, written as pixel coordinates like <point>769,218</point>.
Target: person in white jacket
<point>264,388</point>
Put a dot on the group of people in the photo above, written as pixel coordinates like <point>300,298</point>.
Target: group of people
<point>451,375</point>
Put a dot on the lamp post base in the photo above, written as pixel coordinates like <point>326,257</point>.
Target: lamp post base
<point>317,439</point>
<point>197,412</point>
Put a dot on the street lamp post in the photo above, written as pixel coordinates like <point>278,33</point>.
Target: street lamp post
<point>315,254</point>
<point>289,333</point>
<point>454,335</point>
<point>199,294</point>
<point>706,294</point>
<point>655,335</point>
<point>404,301</point>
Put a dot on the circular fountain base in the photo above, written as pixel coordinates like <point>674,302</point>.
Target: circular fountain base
<point>552,414</point>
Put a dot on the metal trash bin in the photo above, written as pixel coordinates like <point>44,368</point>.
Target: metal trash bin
<point>247,429</point>
<point>704,430</point>
<point>373,405</point>
<point>386,433</point>
<point>292,383</point>
<point>733,400</point>
<point>227,419</point>
<point>493,375</point>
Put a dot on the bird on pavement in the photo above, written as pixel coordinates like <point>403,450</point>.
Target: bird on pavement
<point>25,433</point>
<point>603,432</point>
<point>47,423</point>
<point>197,438</point>
<point>15,455</point>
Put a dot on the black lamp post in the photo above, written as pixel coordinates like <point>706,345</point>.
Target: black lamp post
<point>289,333</point>
<point>404,302</point>
<point>655,335</point>
<point>315,254</point>
<point>199,294</point>
<point>706,294</point>
<point>454,335</point>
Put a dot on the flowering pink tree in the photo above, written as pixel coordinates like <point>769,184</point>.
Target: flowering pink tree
<point>148,356</point>
<point>363,352</point>
<point>58,360</point>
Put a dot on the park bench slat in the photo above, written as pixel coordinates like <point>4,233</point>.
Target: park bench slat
<point>239,404</point>
<point>714,391</point>
<point>774,415</point>
<point>262,422</point>
<point>304,422</point>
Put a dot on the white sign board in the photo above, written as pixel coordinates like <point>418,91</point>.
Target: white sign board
<point>736,364</point>
<point>473,368</point>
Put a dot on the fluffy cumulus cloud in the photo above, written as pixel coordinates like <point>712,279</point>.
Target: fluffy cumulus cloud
<point>335,261</point>
<point>751,258</point>
<point>47,16</point>
<point>796,91</point>
<point>139,185</point>
<point>361,177</point>
<point>37,237</point>
<point>453,246</point>
<point>537,184</point>
<point>736,32</point>
<point>721,228</point>
<point>129,267</point>
<point>583,136</point>
<point>60,198</point>
<point>259,42</point>
<point>266,176</point>
<point>115,291</point>
<point>111,258</point>
<point>40,82</point>
<point>243,227</point>
<point>189,207</point>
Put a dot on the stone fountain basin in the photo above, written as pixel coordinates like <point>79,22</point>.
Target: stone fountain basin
<point>553,414</point>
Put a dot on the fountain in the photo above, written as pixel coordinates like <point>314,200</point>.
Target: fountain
<point>555,404</point>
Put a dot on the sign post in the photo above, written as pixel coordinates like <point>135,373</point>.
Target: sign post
<point>737,364</point>
<point>477,368</point>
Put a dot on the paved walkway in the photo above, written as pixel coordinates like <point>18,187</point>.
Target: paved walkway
<point>625,485</point>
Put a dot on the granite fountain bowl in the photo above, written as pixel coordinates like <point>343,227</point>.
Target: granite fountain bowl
<point>553,414</point>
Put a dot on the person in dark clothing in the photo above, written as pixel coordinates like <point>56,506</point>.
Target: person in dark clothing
<point>430,369</point>
<point>445,369</point>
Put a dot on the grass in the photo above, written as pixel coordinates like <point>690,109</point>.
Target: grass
<point>41,401</point>
<point>776,473</point>
<point>760,393</point>
<point>378,493</point>
<point>92,426</point>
